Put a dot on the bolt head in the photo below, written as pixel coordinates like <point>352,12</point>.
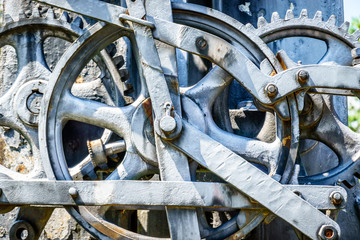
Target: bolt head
<point>271,90</point>
<point>336,198</point>
<point>302,76</point>
<point>73,192</point>
<point>167,124</point>
<point>201,43</point>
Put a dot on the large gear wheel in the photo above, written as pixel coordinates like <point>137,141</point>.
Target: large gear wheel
<point>137,163</point>
<point>20,103</point>
<point>339,44</point>
<point>32,74</point>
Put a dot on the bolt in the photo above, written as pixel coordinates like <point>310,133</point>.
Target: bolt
<point>201,43</point>
<point>327,232</point>
<point>336,198</point>
<point>338,182</point>
<point>302,76</point>
<point>167,124</point>
<point>73,192</point>
<point>271,90</point>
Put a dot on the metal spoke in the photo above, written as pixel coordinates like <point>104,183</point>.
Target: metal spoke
<point>209,88</point>
<point>117,119</point>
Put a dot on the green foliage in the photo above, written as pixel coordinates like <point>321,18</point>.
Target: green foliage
<point>354,113</point>
<point>353,102</point>
<point>355,25</point>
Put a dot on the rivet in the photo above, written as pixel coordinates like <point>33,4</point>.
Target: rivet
<point>73,192</point>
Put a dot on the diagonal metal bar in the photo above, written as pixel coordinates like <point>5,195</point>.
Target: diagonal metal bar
<point>252,181</point>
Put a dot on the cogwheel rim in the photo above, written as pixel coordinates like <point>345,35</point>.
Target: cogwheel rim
<point>266,29</point>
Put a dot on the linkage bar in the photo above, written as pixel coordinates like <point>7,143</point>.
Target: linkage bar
<point>156,193</point>
<point>252,181</point>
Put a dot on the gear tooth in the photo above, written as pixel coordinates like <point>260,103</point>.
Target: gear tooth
<point>250,27</point>
<point>119,61</point>
<point>345,26</point>
<point>275,17</point>
<point>111,49</point>
<point>65,16</point>
<point>35,13</point>
<point>303,13</point>
<point>332,20</point>
<point>289,14</point>
<point>91,153</point>
<point>261,22</point>
<point>129,88</point>
<point>8,19</point>
<point>318,16</point>
<point>50,14</point>
<point>124,74</point>
<point>356,34</point>
<point>78,22</point>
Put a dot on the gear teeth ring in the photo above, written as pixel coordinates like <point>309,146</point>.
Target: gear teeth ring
<point>264,27</point>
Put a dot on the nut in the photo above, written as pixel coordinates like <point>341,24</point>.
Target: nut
<point>328,232</point>
<point>336,198</point>
<point>271,90</point>
<point>302,76</point>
